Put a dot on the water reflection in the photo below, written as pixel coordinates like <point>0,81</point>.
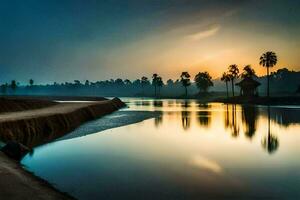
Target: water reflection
<point>185,119</point>
<point>249,119</point>
<point>224,148</point>
<point>204,118</point>
<point>230,120</point>
<point>270,142</point>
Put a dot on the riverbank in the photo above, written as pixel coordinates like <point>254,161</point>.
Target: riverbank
<point>32,126</point>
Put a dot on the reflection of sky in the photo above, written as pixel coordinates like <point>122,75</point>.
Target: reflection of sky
<point>167,160</point>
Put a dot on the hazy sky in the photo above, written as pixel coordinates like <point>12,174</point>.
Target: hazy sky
<point>63,40</point>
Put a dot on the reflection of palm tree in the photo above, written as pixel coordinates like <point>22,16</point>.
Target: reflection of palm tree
<point>185,118</point>
<point>204,118</point>
<point>226,117</point>
<point>157,103</point>
<point>185,115</point>
<point>271,142</point>
<point>235,128</point>
<point>158,120</point>
<point>249,119</point>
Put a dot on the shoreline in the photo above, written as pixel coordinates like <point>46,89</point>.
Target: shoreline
<point>38,126</point>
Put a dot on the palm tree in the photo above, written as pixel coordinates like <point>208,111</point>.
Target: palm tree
<point>248,72</point>
<point>144,81</point>
<point>154,82</point>
<point>233,74</point>
<point>13,85</point>
<point>31,82</point>
<point>203,81</point>
<point>226,78</point>
<point>160,83</point>
<point>268,59</point>
<point>185,80</point>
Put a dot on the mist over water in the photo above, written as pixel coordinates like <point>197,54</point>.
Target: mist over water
<point>189,151</point>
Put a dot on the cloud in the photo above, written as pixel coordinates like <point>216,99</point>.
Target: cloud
<point>204,34</point>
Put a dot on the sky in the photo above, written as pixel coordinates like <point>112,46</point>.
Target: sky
<point>64,40</point>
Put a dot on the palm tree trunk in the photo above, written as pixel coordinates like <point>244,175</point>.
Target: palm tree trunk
<point>268,78</point>
<point>227,90</point>
<point>232,87</point>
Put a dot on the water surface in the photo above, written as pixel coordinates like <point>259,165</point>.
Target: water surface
<point>188,151</point>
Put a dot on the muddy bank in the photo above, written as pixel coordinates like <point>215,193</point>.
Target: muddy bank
<point>18,184</point>
<point>17,104</point>
<point>32,125</point>
<point>36,127</point>
<point>55,98</point>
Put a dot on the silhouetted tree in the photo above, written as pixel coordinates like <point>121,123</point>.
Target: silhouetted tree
<point>160,83</point>
<point>76,83</point>
<point>203,81</point>
<point>31,82</point>
<point>154,83</point>
<point>144,82</point>
<point>226,78</point>
<point>13,85</point>
<point>233,74</point>
<point>4,88</point>
<point>87,83</point>
<point>248,72</point>
<point>271,142</point>
<point>119,82</point>
<point>268,59</point>
<point>170,82</point>
<point>185,81</point>
<point>127,82</point>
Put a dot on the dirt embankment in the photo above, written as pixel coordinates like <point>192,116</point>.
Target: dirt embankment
<point>39,126</point>
<point>14,104</point>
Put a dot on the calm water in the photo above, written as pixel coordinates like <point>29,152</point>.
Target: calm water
<point>189,151</point>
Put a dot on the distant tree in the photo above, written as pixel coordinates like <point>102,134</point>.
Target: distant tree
<point>87,83</point>
<point>268,59</point>
<point>137,82</point>
<point>226,78</point>
<point>170,82</point>
<point>154,83</point>
<point>203,81</point>
<point>144,82</point>
<point>127,82</point>
<point>13,85</point>
<point>160,84</point>
<point>119,82</point>
<point>248,72</point>
<point>185,81</point>
<point>233,74</point>
<point>31,82</point>
<point>4,88</point>
<point>77,83</point>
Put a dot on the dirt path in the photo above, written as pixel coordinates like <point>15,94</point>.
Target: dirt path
<point>56,109</point>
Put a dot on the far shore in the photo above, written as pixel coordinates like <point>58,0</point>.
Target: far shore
<point>35,121</point>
